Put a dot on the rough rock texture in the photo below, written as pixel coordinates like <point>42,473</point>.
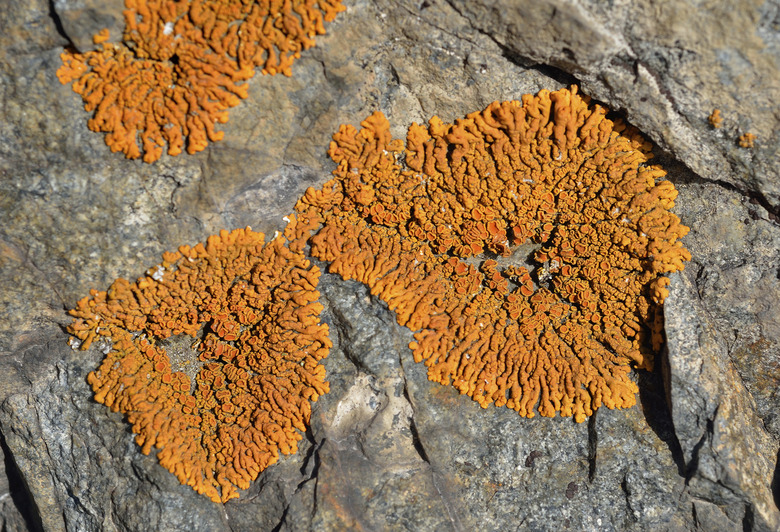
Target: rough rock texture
<point>668,65</point>
<point>79,20</point>
<point>714,417</point>
<point>388,449</point>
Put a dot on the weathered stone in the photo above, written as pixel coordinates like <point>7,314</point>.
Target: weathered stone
<point>387,449</point>
<point>729,457</point>
<point>80,464</point>
<point>16,510</point>
<point>80,20</point>
<point>667,66</point>
<point>736,248</point>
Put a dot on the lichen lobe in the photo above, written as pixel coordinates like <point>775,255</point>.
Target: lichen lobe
<point>182,64</point>
<point>409,219</point>
<point>255,306</point>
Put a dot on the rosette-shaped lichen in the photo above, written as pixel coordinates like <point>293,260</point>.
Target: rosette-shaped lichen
<point>525,244</point>
<point>181,66</point>
<point>253,308</point>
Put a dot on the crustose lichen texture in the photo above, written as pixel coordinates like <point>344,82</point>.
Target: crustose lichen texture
<point>181,66</point>
<point>527,245</point>
<point>255,308</point>
<point>438,228</point>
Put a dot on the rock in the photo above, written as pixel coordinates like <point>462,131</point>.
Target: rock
<point>735,268</point>
<point>12,493</point>
<point>79,20</point>
<point>668,67</point>
<point>388,449</point>
<point>729,457</point>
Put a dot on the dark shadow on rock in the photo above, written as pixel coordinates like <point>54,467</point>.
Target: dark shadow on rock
<point>60,28</point>
<point>20,495</point>
<point>560,72</point>
<point>775,486</point>
<point>652,398</point>
<point>593,446</point>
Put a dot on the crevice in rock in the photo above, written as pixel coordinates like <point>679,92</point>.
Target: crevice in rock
<point>514,57</point>
<point>561,76</point>
<point>694,515</point>
<point>312,459</point>
<point>282,519</point>
<point>311,463</point>
<point>20,494</point>
<point>627,494</point>
<point>316,486</point>
<point>452,514</point>
<point>653,399</point>
<point>417,442</point>
<point>749,519</point>
<point>593,444</point>
<point>685,175</point>
<point>693,465</point>
<point>60,28</point>
<point>775,486</point>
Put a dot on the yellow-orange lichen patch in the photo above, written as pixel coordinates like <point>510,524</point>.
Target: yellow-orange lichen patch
<point>747,140</point>
<point>715,119</point>
<point>181,66</point>
<point>255,307</point>
<point>433,228</point>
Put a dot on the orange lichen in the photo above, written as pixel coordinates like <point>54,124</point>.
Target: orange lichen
<point>181,66</point>
<point>575,225</point>
<point>255,308</point>
<point>747,140</point>
<point>715,119</point>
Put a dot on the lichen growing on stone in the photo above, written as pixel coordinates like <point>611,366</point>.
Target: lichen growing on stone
<point>439,229</point>
<point>254,308</point>
<point>715,119</point>
<point>747,140</point>
<point>181,66</point>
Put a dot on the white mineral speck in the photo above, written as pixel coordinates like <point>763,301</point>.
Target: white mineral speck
<point>105,346</point>
<point>158,274</point>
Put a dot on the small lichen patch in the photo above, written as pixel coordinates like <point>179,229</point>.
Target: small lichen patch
<point>253,305</point>
<point>181,65</point>
<point>715,119</point>
<point>747,140</point>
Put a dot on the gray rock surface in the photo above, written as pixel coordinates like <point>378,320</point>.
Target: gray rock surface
<point>667,65</point>
<point>387,449</point>
<point>80,20</point>
<point>723,441</point>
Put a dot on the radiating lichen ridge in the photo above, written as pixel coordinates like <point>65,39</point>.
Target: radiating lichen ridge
<point>436,227</point>
<point>182,64</point>
<point>251,309</point>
